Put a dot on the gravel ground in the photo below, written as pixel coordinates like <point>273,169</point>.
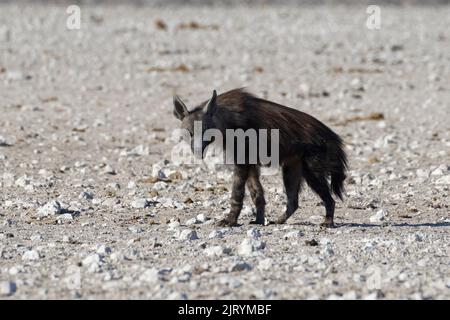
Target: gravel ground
<point>92,204</point>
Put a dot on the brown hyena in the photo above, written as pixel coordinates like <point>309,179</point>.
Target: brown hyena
<point>308,150</point>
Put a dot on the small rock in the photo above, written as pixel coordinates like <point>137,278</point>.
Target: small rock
<point>217,251</point>
<point>191,221</point>
<point>23,181</point>
<point>160,185</point>
<point>312,242</point>
<point>423,173</point>
<point>174,225</point>
<point>103,250</point>
<point>241,266</point>
<point>92,263</point>
<point>201,218</point>
<point>7,288</point>
<point>266,264</point>
<point>138,151</point>
<point>188,234</point>
<point>150,275</point>
<point>86,195</point>
<point>293,235</point>
<point>250,246</point>
<point>111,202</point>
<point>139,203</point>
<point>113,186</point>
<point>30,255</point>
<point>96,201</point>
<point>109,170</point>
<point>254,233</point>
<point>36,237</point>
<point>177,296</point>
<point>16,270</point>
<point>157,171</point>
<point>439,171</point>
<point>65,217</point>
<point>49,209</point>
<point>443,180</point>
<point>67,239</point>
<point>216,234</point>
<point>379,216</point>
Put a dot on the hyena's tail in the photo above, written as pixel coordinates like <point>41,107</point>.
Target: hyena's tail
<point>337,164</point>
<point>329,161</point>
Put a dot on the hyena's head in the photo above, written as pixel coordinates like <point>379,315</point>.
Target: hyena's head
<point>200,118</point>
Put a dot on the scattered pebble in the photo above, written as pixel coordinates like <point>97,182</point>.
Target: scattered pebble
<point>7,288</point>
<point>380,216</point>
<point>188,234</point>
<point>49,209</point>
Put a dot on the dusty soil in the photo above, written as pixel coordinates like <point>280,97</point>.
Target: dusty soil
<point>92,205</point>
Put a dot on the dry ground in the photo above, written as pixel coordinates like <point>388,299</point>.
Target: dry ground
<point>86,120</point>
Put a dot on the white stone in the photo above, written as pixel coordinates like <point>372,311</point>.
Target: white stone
<point>379,216</point>
<point>103,250</point>
<point>140,150</point>
<point>250,246</point>
<point>254,233</point>
<point>86,195</point>
<point>265,264</point>
<point>191,221</point>
<point>108,169</point>
<point>7,288</point>
<point>157,171</point>
<point>216,234</point>
<point>36,237</point>
<point>30,255</point>
<point>113,186</point>
<point>110,202</point>
<point>201,218</point>
<point>217,251</point>
<point>96,201</point>
<point>92,263</point>
<point>65,217</point>
<point>49,209</point>
<point>150,275</point>
<point>293,235</point>
<point>160,185</point>
<point>423,173</point>
<point>188,234</point>
<point>23,181</point>
<point>139,203</point>
<point>439,171</point>
<point>443,180</point>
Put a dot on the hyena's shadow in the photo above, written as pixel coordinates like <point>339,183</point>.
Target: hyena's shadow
<point>402,224</point>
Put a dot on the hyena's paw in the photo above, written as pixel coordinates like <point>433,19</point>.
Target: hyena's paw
<point>280,220</point>
<point>261,222</point>
<point>227,223</point>
<point>328,223</point>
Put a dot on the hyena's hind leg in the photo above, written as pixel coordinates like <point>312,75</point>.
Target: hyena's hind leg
<point>319,185</point>
<point>292,179</point>
<point>257,193</point>
<point>240,175</point>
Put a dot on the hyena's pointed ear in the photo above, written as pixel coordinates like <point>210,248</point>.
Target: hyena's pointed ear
<point>180,110</point>
<point>212,105</point>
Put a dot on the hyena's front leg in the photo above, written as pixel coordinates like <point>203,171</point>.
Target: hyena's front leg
<point>257,193</point>
<point>240,176</point>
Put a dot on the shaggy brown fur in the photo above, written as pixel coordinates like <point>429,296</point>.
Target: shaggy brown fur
<point>308,150</point>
